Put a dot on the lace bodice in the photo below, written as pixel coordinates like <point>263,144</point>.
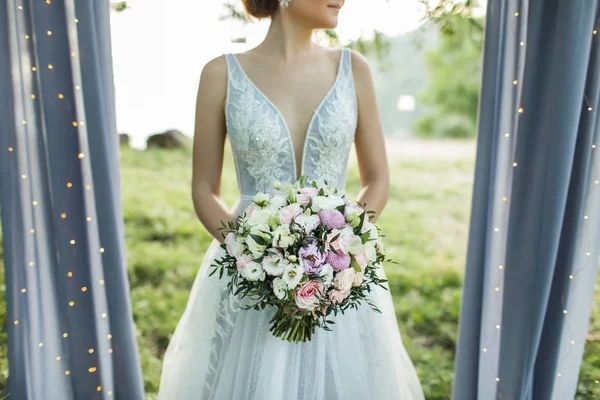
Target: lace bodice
<point>261,140</point>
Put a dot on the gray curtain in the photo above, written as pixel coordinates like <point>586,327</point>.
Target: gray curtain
<point>534,233</point>
<point>70,327</point>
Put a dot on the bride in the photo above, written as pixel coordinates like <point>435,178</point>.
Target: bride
<point>290,108</point>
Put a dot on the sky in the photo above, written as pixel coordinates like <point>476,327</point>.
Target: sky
<point>159,49</point>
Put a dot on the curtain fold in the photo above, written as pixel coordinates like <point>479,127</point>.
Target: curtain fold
<point>534,239</point>
<point>70,326</point>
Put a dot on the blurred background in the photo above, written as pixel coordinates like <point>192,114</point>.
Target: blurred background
<point>426,64</point>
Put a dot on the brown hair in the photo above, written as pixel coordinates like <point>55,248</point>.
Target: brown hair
<point>260,8</point>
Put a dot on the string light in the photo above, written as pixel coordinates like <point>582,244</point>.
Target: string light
<point>84,289</point>
<point>80,155</point>
<point>515,82</point>
<point>61,96</point>
<point>49,33</point>
<point>58,358</point>
<point>520,110</point>
<point>27,37</point>
<point>33,96</point>
<point>50,66</point>
<point>90,351</point>
<point>70,274</point>
<point>10,149</point>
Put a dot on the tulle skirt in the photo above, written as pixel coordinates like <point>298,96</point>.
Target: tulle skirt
<point>219,351</point>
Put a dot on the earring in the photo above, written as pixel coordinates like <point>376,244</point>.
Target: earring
<point>284,3</point>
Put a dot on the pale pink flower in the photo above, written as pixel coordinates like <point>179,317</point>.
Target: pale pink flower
<point>242,261</point>
<point>308,296</point>
<point>337,296</point>
<point>287,213</point>
<point>344,279</point>
<point>362,259</point>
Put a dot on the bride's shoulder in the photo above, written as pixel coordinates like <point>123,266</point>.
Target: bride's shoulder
<point>215,68</point>
<point>360,65</point>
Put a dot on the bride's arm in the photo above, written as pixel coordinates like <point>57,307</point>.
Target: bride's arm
<point>369,141</point>
<point>209,143</point>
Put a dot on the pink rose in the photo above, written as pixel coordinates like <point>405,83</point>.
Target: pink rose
<point>362,259</point>
<point>308,296</point>
<point>337,296</point>
<point>242,261</point>
<point>287,213</point>
<point>305,194</point>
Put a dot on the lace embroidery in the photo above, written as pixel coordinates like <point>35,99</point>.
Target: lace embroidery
<point>257,136</point>
<point>331,137</point>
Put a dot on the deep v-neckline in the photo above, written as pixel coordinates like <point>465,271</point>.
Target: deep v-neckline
<point>284,122</point>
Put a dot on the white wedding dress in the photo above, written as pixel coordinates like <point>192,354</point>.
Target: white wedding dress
<point>221,352</point>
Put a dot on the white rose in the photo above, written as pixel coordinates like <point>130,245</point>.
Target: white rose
<point>279,288</point>
<point>261,199</point>
<point>292,275</point>
<point>259,217</point>
<point>368,226</point>
<point>327,274</point>
<point>256,249</point>
<point>344,279</point>
<point>345,239</point>
<point>319,203</point>
<point>254,272</point>
<point>273,265</point>
<point>282,237</point>
<point>355,246</point>
<point>278,201</point>
<point>308,222</point>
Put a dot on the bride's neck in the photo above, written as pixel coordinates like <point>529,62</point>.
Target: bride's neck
<point>287,39</point>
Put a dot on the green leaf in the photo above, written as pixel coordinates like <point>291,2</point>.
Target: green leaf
<point>258,239</point>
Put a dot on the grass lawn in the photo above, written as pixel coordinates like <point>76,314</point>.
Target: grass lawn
<point>425,221</point>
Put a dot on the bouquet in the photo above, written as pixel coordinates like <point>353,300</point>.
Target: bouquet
<point>305,249</point>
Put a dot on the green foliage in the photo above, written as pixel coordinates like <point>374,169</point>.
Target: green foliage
<point>454,81</point>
